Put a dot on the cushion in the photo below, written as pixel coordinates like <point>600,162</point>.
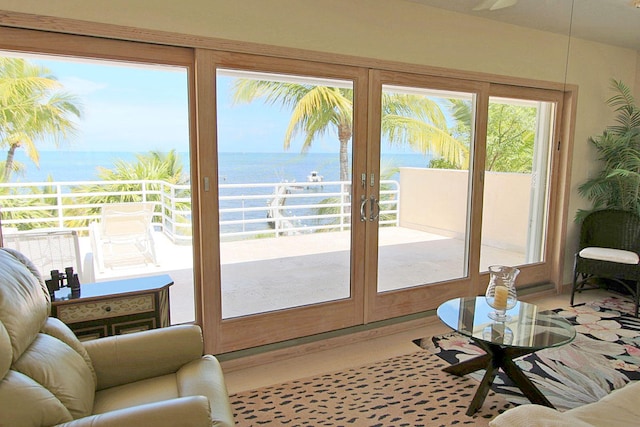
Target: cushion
<point>18,397</point>
<point>611,255</point>
<point>530,415</point>
<point>62,371</point>
<point>59,330</point>
<point>5,351</point>
<point>618,409</point>
<point>151,390</point>
<point>21,293</point>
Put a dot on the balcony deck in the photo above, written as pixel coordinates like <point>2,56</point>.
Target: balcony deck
<point>411,256</point>
<point>263,273</point>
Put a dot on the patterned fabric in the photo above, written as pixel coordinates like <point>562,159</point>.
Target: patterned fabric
<point>410,390</point>
<point>604,356</point>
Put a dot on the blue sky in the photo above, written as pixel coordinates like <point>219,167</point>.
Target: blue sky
<point>125,108</point>
<point>136,108</point>
<point>129,107</point>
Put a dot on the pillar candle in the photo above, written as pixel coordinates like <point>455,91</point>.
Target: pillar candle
<point>500,298</point>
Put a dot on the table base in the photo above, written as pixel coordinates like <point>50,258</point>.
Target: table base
<point>498,357</point>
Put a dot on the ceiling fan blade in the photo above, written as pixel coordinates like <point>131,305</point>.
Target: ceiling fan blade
<point>501,4</point>
<point>484,5</point>
<point>494,4</point>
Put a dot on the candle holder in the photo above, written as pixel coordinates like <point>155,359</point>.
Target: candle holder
<point>501,292</point>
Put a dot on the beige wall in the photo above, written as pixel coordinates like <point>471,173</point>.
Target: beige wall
<point>392,30</point>
<point>435,200</point>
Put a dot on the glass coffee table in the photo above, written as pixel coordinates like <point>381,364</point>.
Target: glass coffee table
<point>525,331</point>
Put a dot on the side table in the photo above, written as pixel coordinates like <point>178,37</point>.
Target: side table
<point>115,307</point>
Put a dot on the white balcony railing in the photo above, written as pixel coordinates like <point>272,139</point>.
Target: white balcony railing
<point>245,211</point>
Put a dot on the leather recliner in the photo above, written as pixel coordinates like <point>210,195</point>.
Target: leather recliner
<point>49,378</point>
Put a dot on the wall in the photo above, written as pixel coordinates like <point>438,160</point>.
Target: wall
<point>395,30</point>
<point>435,200</point>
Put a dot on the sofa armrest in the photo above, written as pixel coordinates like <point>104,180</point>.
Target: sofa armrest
<point>530,415</point>
<point>190,411</point>
<point>123,359</point>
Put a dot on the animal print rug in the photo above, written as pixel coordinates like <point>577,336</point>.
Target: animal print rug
<point>410,390</point>
<point>604,356</point>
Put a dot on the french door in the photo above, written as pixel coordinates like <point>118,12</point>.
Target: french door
<point>427,256</point>
<point>335,196</point>
<point>484,198</point>
<point>278,197</point>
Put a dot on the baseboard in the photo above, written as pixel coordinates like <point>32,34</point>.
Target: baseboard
<point>293,348</point>
<point>290,349</point>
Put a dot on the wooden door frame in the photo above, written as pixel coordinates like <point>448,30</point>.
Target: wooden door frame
<point>423,298</point>
<point>234,334</point>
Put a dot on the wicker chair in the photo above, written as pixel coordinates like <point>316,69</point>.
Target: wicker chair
<point>609,249</point>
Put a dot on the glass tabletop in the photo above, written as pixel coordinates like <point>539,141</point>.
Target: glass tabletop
<point>526,327</point>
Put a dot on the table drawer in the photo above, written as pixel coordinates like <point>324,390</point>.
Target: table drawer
<point>82,312</point>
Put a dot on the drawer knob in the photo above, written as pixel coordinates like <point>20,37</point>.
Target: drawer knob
<point>107,308</point>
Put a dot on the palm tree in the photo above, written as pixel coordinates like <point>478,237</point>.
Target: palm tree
<point>617,185</point>
<point>418,121</point>
<point>406,119</point>
<point>32,108</point>
<point>151,166</point>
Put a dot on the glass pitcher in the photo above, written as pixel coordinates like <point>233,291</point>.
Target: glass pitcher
<point>501,292</point>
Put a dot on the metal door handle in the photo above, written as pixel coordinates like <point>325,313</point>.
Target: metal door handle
<point>363,206</point>
<point>375,209</point>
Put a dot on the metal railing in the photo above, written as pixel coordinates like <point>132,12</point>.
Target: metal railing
<point>245,210</point>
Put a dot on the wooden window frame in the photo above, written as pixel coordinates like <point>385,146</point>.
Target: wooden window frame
<point>67,37</point>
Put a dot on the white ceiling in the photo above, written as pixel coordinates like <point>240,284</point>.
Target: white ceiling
<point>615,22</point>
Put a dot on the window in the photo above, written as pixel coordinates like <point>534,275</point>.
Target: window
<point>343,204</point>
<point>82,134</point>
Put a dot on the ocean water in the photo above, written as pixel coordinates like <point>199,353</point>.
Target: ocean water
<point>234,168</point>
<point>68,165</point>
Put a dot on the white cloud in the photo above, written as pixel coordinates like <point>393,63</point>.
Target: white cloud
<point>81,87</point>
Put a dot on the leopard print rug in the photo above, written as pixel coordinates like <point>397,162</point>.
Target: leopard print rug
<point>410,390</point>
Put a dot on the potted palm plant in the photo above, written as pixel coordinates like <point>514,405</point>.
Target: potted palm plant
<point>617,185</point>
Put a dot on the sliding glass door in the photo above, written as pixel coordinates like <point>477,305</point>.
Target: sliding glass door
<point>475,183</point>
<point>84,131</point>
<point>295,197</point>
<point>327,217</point>
<point>520,172</point>
<point>421,147</point>
<point>283,181</point>
<point>424,187</point>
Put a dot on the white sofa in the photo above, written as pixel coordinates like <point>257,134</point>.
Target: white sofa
<point>621,408</point>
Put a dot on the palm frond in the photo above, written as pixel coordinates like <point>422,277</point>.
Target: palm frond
<point>33,108</point>
<point>617,186</point>
<point>624,103</point>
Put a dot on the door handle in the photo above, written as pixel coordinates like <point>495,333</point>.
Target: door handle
<point>363,206</point>
<point>375,209</point>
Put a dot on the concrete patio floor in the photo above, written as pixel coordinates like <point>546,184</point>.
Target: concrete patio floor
<point>268,274</point>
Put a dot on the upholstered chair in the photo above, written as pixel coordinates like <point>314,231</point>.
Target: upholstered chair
<point>49,378</point>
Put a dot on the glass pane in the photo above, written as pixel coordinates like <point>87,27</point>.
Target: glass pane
<point>424,186</point>
<point>81,135</point>
<point>516,182</point>
<point>284,150</point>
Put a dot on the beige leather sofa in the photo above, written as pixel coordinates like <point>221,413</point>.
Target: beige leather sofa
<point>620,408</point>
<point>152,378</point>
